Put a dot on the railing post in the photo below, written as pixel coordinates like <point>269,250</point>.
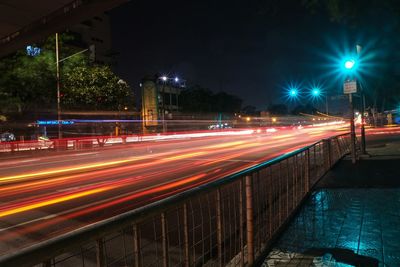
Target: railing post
<point>241,222</point>
<point>186,234</point>
<point>100,253</point>
<point>327,154</point>
<point>307,171</point>
<point>164,239</point>
<point>270,192</point>
<point>294,183</point>
<point>219,227</point>
<point>136,245</point>
<point>287,188</point>
<point>249,220</point>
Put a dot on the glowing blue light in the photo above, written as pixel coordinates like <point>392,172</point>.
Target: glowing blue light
<point>349,64</point>
<point>293,92</point>
<point>33,51</point>
<point>54,122</point>
<point>176,79</point>
<point>315,91</point>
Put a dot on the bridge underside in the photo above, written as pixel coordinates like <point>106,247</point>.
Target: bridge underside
<point>24,22</point>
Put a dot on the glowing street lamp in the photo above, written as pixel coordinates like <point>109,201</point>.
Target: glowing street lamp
<point>349,64</point>
<point>293,92</point>
<point>315,92</point>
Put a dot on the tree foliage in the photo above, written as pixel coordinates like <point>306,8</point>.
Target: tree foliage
<point>198,99</point>
<point>278,109</point>
<point>95,88</point>
<point>28,84</point>
<point>306,109</point>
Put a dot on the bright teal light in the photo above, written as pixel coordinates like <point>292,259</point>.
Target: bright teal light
<point>349,64</point>
<point>315,92</point>
<point>293,92</point>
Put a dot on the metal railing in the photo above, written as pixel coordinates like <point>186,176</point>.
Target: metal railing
<point>89,142</point>
<point>229,222</point>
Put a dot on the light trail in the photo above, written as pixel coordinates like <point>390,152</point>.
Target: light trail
<point>70,193</point>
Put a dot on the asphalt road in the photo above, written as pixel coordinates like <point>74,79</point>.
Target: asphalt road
<point>45,196</point>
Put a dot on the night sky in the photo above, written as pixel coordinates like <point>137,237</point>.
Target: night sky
<point>247,48</point>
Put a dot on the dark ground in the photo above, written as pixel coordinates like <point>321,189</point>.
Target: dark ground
<point>352,218</point>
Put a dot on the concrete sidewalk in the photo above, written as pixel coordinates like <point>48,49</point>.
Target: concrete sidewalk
<point>351,219</point>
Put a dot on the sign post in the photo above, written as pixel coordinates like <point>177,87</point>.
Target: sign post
<point>350,87</point>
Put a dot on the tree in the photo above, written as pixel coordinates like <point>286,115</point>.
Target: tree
<point>198,99</point>
<point>28,84</point>
<point>250,110</point>
<point>306,109</point>
<point>95,88</point>
<point>278,109</point>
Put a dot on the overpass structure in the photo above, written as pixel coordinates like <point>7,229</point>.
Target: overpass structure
<point>23,22</point>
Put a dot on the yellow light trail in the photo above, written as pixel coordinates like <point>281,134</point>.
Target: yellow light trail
<point>59,171</point>
<point>109,163</point>
<point>53,201</point>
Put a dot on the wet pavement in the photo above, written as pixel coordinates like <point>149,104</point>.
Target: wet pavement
<point>351,219</point>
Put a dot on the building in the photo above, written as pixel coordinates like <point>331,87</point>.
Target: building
<point>95,34</point>
<point>160,99</point>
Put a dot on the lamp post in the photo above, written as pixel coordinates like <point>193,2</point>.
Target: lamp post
<point>349,88</point>
<point>58,61</point>
<point>362,144</point>
<point>316,93</point>
<point>58,89</point>
<point>164,80</point>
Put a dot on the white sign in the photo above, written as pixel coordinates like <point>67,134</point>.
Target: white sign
<point>350,87</point>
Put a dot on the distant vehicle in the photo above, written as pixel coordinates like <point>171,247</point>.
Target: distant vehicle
<point>43,138</point>
<point>7,137</point>
<point>219,126</point>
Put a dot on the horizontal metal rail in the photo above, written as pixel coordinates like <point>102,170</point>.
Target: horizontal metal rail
<point>226,222</point>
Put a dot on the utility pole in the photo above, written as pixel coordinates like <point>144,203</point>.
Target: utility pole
<point>362,143</point>
<point>352,131</point>
<point>58,89</point>
<point>326,104</point>
<point>350,87</point>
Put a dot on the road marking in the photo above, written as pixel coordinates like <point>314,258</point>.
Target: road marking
<point>28,222</point>
<point>29,160</point>
<point>87,153</point>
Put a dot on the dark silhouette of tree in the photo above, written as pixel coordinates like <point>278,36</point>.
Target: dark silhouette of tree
<point>306,109</point>
<point>278,109</point>
<point>250,110</point>
<point>198,99</point>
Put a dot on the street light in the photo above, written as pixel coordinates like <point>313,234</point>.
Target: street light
<point>293,92</point>
<point>349,64</point>
<point>315,92</point>
<point>164,79</point>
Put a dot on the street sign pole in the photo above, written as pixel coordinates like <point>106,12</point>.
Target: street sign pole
<point>350,87</point>
<point>58,89</point>
<point>352,131</point>
<point>362,143</point>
